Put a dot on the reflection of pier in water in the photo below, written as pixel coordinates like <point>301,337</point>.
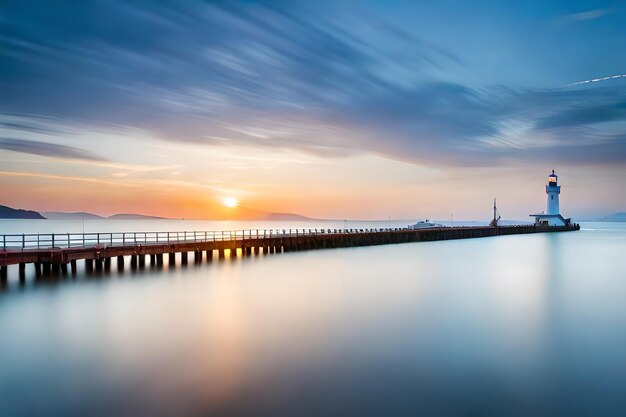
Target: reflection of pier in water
<point>57,254</point>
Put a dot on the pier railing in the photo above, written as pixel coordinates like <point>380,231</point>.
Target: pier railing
<point>88,240</point>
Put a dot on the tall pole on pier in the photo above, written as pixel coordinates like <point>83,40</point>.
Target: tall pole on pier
<point>452,215</point>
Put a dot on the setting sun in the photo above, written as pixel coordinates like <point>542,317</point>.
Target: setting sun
<point>230,202</point>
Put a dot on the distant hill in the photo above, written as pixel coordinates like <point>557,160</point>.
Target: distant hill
<point>240,213</point>
<point>616,217</point>
<point>126,216</point>
<point>11,213</point>
<point>58,215</point>
<point>284,216</point>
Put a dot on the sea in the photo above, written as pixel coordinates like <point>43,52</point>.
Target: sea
<point>522,325</point>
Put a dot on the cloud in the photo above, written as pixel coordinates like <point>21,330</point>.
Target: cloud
<point>27,127</point>
<point>66,178</point>
<point>587,15</point>
<point>585,115</point>
<point>46,149</point>
<point>283,75</point>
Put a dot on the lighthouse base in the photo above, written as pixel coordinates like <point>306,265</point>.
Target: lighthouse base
<point>550,220</point>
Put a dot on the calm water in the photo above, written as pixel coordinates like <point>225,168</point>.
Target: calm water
<point>529,325</point>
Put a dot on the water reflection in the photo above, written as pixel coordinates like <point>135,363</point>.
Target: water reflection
<point>515,325</point>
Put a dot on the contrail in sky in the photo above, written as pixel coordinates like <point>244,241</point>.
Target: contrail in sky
<point>595,80</point>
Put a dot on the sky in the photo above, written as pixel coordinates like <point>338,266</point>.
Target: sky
<point>330,109</point>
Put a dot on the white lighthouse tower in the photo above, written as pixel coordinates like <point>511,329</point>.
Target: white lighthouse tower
<point>553,189</point>
<point>553,216</point>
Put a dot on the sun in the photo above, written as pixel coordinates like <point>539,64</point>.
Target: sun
<point>230,202</point>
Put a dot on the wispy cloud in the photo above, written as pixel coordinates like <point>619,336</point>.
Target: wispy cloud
<point>587,15</point>
<point>67,178</point>
<point>260,75</point>
<point>47,149</point>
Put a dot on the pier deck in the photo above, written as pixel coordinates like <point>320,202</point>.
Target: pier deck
<point>54,252</point>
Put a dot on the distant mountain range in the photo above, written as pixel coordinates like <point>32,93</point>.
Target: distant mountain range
<point>245,214</point>
<point>130,216</point>
<point>284,217</point>
<point>57,215</point>
<point>11,213</point>
<point>616,217</point>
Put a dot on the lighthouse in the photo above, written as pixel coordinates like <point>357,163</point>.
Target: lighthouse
<point>553,216</point>
<point>553,189</point>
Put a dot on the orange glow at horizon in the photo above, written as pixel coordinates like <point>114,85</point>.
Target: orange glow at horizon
<point>176,182</point>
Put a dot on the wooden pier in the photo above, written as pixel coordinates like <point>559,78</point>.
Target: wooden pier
<point>58,253</point>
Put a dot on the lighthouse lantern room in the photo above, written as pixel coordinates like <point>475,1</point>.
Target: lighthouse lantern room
<point>553,216</point>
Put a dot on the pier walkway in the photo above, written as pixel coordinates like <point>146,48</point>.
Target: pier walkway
<point>53,253</point>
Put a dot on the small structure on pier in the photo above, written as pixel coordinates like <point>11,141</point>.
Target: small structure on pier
<point>496,215</point>
<point>553,216</point>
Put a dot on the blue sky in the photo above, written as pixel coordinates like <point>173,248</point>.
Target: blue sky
<point>460,89</point>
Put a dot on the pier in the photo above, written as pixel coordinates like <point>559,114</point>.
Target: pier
<point>55,253</point>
